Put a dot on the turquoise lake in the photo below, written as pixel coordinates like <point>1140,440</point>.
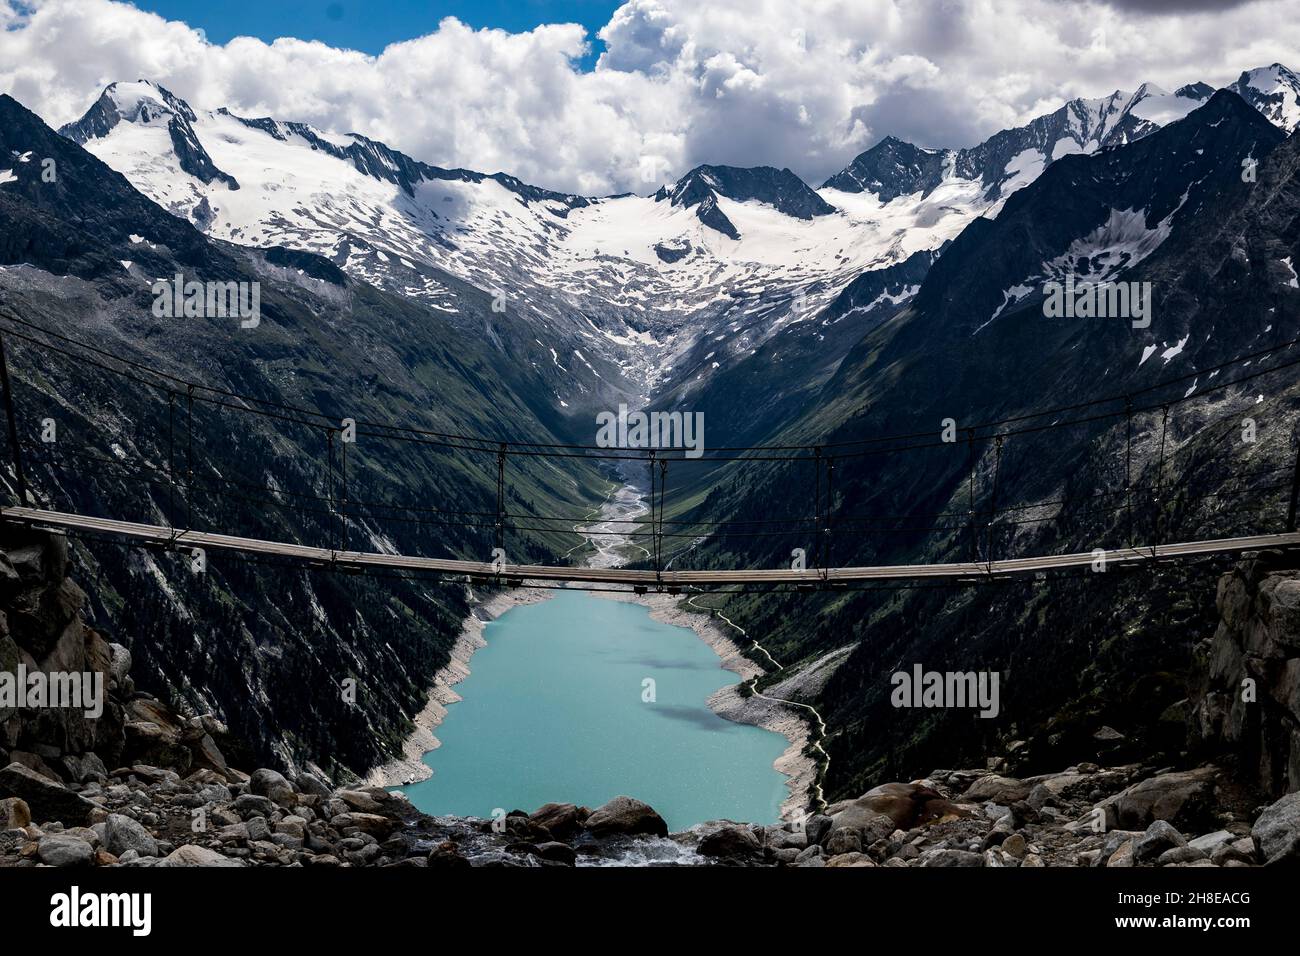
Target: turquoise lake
<point>553,711</point>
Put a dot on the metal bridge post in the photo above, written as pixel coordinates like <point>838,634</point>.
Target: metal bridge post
<point>14,447</point>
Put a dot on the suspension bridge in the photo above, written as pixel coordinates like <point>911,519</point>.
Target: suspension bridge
<point>344,514</point>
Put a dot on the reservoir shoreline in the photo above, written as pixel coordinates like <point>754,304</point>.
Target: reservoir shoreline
<point>410,766</point>
<point>798,769</point>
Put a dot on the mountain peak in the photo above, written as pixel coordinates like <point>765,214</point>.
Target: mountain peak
<point>779,188</point>
<point>892,168</point>
<point>147,104</point>
<point>1274,90</point>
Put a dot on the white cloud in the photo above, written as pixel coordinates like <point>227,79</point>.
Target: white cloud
<point>800,83</point>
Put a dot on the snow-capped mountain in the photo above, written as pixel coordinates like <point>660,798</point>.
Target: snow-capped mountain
<point>612,290</point>
<point>623,296</point>
<point>1015,157</point>
<point>1274,91</point>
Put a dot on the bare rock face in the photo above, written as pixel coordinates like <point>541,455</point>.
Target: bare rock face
<point>43,631</point>
<point>1246,702</point>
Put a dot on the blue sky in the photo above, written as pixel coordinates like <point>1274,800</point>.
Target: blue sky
<point>370,25</point>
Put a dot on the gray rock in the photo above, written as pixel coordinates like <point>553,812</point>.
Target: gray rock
<point>951,858</point>
<point>84,768</point>
<point>121,833</point>
<point>1277,831</point>
<point>816,827</point>
<point>46,799</point>
<point>311,784</point>
<point>809,853</point>
<point>1240,851</point>
<point>257,828</point>
<point>843,840</point>
<point>1185,799</point>
<point>64,850</point>
<point>1210,842</point>
<point>1159,837</point>
<point>1003,790</point>
<point>191,855</point>
<point>779,838</point>
<point>249,805</point>
<point>273,786</point>
<point>1112,841</point>
<point>1179,854</point>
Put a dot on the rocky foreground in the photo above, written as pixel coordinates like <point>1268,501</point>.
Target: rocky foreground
<point>175,800</point>
<point>1086,816</point>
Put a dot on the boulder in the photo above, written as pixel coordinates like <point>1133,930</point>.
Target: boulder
<point>191,855</point>
<point>1123,856</point>
<point>1004,790</point>
<point>84,768</point>
<point>1015,846</point>
<point>61,849</point>
<point>1276,833</point>
<point>273,786</point>
<point>1159,837</point>
<point>46,799</point>
<point>121,833</point>
<point>1179,854</point>
<point>153,744</point>
<point>869,825</point>
<point>910,805</point>
<point>358,800</point>
<point>563,820</point>
<point>948,857</point>
<point>731,840</point>
<point>249,805</point>
<point>371,823</point>
<point>1185,799</point>
<point>447,856</point>
<point>843,840</point>
<point>1211,841</point>
<point>14,814</point>
<point>557,852</point>
<point>627,816</point>
<point>311,784</point>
